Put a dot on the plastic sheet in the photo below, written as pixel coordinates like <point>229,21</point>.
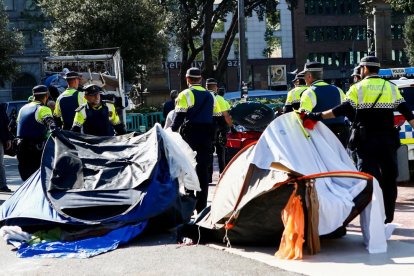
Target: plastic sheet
<point>85,248</point>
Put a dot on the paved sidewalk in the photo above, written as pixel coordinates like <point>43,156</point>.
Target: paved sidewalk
<point>345,256</point>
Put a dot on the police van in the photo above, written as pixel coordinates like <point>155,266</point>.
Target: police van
<point>403,78</point>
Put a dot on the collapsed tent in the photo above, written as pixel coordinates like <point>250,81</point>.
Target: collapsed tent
<point>257,184</point>
<point>88,186</point>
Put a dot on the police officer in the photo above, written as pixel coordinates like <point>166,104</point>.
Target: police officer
<point>33,122</point>
<point>68,102</point>
<point>221,132</point>
<point>97,117</point>
<point>321,96</point>
<point>169,105</point>
<point>293,96</point>
<point>356,74</point>
<point>372,102</point>
<point>197,107</point>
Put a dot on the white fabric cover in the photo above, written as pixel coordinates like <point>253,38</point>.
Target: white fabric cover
<point>284,141</point>
<point>181,159</point>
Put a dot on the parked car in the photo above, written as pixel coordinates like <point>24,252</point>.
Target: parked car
<point>248,133</point>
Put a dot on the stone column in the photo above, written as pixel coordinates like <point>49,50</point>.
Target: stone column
<point>382,31</point>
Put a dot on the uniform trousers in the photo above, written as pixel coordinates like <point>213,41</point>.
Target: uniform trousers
<point>199,138</point>
<point>377,156</point>
<point>29,155</point>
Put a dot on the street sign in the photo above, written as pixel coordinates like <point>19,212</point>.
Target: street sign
<point>277,75</point>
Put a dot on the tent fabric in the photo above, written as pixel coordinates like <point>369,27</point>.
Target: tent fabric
<point>284,143</point>
<point>132,182</point>
<point>84,248</point>
<point>323,152</point>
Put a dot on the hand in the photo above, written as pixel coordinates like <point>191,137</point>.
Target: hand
<point>314,116</point>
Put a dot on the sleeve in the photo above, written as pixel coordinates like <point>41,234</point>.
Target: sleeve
<point>343,96</point>
<point>344,109</point>
<point>80,117</point>
<point>183,101</point>
<point>307,100</point>
<point>57,112</point>
<point>405,111</point>
<point>46,117</point>
<point>43,113</point>
<point>114,118</point>
<point>222,103</point>
<point>178,120</point>
<point>289,98</point>
<point>217,111</point>
<point>352,95</point>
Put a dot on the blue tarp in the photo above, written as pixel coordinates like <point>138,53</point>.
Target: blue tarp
<point>146,190</point>
<point>84,248</point>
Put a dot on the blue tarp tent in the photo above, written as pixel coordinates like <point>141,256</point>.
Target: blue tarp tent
<point>89,184</point>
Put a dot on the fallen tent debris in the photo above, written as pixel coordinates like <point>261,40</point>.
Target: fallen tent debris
<point>103,188</point>
<point>255,187</point>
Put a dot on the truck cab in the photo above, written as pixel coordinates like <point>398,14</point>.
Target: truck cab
<point>103,67</point>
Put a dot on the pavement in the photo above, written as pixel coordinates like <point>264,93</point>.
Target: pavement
<point>159,254</point>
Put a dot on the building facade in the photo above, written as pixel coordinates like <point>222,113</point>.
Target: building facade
<point>21,14</point>
<point>334,32</point>
<point>269,53</point>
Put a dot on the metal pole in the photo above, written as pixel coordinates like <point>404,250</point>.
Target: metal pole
<point>242,50</point>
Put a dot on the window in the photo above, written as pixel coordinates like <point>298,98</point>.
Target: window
<point>335,33</point>
<point>332,7</point>
<point>8,5</point>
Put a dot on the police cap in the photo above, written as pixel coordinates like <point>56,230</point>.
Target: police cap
<point>356,71</point>
<point>299,76</point>
<point>72,75</point>
<point>312,66</point>
<point>40,90</point>
<point>92,89</point>
<point>370,61</point>
<point>211,81</point>
<point>193,72</point>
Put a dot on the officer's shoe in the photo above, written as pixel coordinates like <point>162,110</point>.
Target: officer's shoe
<point>5,189</point>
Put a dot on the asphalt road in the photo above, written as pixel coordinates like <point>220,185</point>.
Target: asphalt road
<point>146,255</point>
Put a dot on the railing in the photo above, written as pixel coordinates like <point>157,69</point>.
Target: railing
<point>140,122</point>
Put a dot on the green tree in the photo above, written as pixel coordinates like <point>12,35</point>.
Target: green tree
<point>133,25</point>
<point>11,43</point>
<point>409,38</point>
<point>406,6</point>
<point>188,21</point>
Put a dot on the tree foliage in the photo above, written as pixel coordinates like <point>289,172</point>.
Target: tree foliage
<point>409,38</point>
<point>133,25</point>
<point>11,43</point>
<point>188,21</point>
<point>406,6</point>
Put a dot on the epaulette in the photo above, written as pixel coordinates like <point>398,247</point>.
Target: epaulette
<point>80,107</point>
